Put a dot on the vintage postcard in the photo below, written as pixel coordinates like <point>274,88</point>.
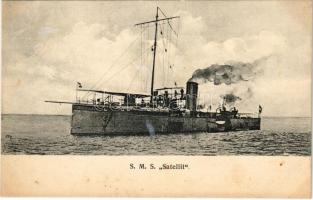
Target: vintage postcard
<point>156,98</point>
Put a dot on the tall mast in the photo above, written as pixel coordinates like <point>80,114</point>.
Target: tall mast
<point>155,42</point>
<point>154,53</point>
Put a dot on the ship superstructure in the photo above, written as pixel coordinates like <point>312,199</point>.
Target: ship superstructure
<point>165,110</point>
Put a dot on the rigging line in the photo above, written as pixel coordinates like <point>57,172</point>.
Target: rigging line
<point>131,82</point>
<point>175,51</point>
<point>141,47</point>
<point>114,62</point>
<point>167,55</point>
<point>163,52</point>
<point>176,45</point>
<point>162,32</point>
<point>162,12</point>
<point>172,28</point>
<point>146,45</point>
<point>145,62</point>
<point>125,67</point>
<point>149,57</point>
<point>168,22</point>
<point>164,48</point>
<point>163,69</point>
<point>136,74</point>
<point>146,58</point>
<point>159,59</point>
<point>122,69</point>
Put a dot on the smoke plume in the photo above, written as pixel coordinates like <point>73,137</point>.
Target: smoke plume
<point>230,73</point>
<point>230,99</point>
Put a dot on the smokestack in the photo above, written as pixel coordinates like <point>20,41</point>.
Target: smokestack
<point>191,95</point>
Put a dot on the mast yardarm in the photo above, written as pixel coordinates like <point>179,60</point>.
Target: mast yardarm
<point>155,44</point>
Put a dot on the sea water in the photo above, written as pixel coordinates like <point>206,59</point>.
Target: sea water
<point>50,135</point>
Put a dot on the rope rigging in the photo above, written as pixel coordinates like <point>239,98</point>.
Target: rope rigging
<point>122,69</point>
<point>166,53</point>
<point>111,66</point>
<point>117,72</point>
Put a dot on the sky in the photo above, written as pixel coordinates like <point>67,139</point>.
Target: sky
<point>49,46</point>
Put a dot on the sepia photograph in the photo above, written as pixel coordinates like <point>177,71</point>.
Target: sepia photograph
<point>157,78</point>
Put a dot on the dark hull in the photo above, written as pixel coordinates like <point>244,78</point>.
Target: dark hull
<point>89,120</point>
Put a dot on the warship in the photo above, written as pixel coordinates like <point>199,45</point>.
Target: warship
<point>165,110</point>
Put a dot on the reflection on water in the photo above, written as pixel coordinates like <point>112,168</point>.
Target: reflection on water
<point>34,134</point>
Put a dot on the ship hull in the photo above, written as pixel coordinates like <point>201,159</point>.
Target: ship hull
<point>90,120</point>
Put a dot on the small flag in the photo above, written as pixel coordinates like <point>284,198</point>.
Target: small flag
<point>260,109</point>
<point>79,85</point>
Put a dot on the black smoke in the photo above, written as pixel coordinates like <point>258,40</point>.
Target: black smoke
<point>230,99</point>
<point>228,74</point>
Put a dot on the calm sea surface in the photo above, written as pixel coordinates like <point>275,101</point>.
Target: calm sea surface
<point>44,134</point>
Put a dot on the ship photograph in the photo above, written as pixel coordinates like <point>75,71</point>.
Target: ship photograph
<point>155,78</point>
